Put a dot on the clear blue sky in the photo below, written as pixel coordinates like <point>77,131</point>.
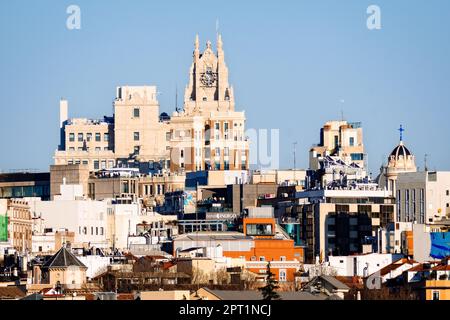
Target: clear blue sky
<point>291,64</point>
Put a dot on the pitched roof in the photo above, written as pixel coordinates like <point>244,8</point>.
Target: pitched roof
<point>335,283</point>
<point>33,296</point>
<point>395,265</point>
<point>423,267</point>
<point>302,295</point>
<point>442,267</point>
<point>11,293</point>
<point>235,295</point>
<point>338,285</point>
<point>256,295</point>
<point>63,258</point>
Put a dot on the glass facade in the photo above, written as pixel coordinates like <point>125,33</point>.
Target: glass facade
<point>42,191</point>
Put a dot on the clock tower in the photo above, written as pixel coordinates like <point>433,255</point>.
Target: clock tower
<point>208,89</point>
<point>208,134</point>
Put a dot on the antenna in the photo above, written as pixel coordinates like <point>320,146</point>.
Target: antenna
<point>342,109</point>
<point>295,145</point>
<point>295,164</point>
<point>176,97</point>
<point>425,162</point>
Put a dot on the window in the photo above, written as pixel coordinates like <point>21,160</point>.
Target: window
<point>88,136</point>
<point>225,129</point>
<point>71,137</point>
<point>103,164</point>
<point>226,151</point>
<point>408,218</point>
<point>217,151</point>
<point>181,153</point>
<point>71,149</point>
<point>98,149</point>
<point>226,165</point>
<point>97,137</point>
<point>136,112</point>
<point>137,149</point>
<point>342,208</point>
<point>96,165</point>
<point>253,258</point>
<point>336,141</point>
<point>106,136</point>
<point>96,231</point>
<point>101,231</point>
<point>422,206</point>
<point>352,141</point>
<point>262,258</point>
<point>259,229</point>
<point>217,128</point>
<point>357,156</point>
<point>282,276</point>
<point>80,137</point>
<point>85,161</point>
<point>283,258</point>
<point>84,230</point>
<point>92,231</point>
<point>436,295</point>
<point>136,136</point>
<point>447,192</point>
<point>399,211</point>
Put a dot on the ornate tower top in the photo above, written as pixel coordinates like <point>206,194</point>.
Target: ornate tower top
<point>208,89</point>
<point>401,159</point>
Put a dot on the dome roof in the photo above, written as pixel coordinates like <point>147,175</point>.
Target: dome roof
<point>400,150</point>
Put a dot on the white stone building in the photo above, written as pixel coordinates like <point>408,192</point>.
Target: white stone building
<point>359,265</point>
<point>85,217</point>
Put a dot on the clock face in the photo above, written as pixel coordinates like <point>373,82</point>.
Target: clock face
<point>208,78</point>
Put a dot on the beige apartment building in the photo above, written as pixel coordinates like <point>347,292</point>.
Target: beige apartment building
<point>339,139</point>
<point>20,224</point>
<point>207,134</point>
<point>138,130</point>
<point>85,141</point>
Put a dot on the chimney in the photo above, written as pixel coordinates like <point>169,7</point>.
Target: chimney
<point>63,112</point>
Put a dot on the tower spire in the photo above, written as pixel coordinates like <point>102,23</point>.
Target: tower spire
<point>219,42</point>
<point>197,43</point>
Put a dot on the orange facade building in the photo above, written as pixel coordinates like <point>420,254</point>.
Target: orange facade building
<point>259,244</point>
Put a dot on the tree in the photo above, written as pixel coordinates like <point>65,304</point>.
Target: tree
<point>268,291</point>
